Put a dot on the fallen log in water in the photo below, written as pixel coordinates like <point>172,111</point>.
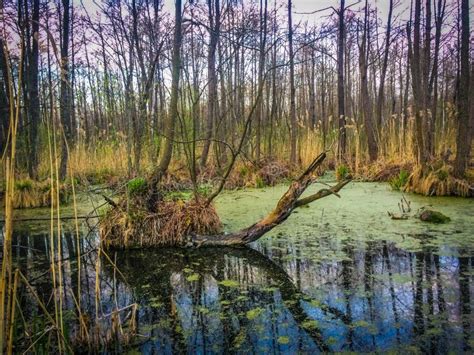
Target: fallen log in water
<point>119,230</point>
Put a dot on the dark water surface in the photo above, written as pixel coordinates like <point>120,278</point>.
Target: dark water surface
<point>336,277</point>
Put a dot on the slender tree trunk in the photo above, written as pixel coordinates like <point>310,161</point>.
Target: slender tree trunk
<point>293,125</point>
<point>428,126</point>
<point>312,91</point>
<point>463,139</point>
<point>364,91</point>
<point>340,83</point>
<point>65,101</point>
<point>34,109</point>
<point>169,124</point>
<point>172,117</point>
<point>383,73</point>
<point>261,68</point>
<point>4,93</point>
<point>212,103</point>
<point>415,61</point>
<point>433,85</point>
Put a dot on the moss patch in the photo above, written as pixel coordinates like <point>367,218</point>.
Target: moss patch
<point>434,217</point>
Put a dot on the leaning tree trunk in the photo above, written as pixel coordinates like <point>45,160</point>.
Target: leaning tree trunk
<point>287,203</point>
<point>169,124</point>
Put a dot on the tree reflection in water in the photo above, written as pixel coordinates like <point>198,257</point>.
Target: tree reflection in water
<point>372,297</point>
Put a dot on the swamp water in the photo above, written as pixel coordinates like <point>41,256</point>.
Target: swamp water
<point>337,276</point>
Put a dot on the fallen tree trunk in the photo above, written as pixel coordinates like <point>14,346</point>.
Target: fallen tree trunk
<point>285,206</point>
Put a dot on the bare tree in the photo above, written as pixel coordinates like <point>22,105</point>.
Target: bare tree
<point>33,95</point>
<point>212,103</point>
<point>383,72</point>
<point>340,82</point>
<point>366,105</point>
<point>65,99</point>
<point>293,124</point>
<point>170,122</point>
<point>463,139</point>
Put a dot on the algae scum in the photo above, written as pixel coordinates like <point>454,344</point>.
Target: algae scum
<point>337,276</point>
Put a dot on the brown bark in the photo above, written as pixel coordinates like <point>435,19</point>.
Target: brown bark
<point>170,122</point>
<point>285,206</point>
<point>4,96</point>
<point>212,103</point>
<point>463,139</point>
<point>32,84</point>
<point>433,85</point>
<point>261,68</point>
<point>384,66</point>
<point>293,125</point>
<point>340,83</point>
<point>416,73</point>
<point>364,91</point>
<point>65,92</point>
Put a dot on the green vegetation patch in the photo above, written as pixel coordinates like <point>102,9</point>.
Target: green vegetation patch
<point>229,283</point>
<point>254,313</point>
<point>136,186</point>
<point>398,183</point>
<point>342,172</point>
<point>434,217</point>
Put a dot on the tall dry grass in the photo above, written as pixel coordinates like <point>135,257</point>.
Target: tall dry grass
<point>8,286</point>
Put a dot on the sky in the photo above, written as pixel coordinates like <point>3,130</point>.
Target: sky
<point>302,6</point>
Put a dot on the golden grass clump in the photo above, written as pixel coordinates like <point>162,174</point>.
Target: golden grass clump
<point>272,172</point>
<point>32,194</point>
<point>438,181</point>
<point>268,172</point>
<point>168,226</point>
<point>383,170</point>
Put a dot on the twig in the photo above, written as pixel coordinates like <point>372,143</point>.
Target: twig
<point>322,193</point>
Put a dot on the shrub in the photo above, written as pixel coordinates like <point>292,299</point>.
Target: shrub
<point>397,183</point>
<point>23,185</point>
<point>342,172</point>
<point>244,171</point>
<point>204,189</point>
<point>442,174</point>
<point>136,186</point>
<point>259,183</point>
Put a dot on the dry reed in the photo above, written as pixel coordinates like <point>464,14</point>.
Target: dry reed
<point>168,226</point>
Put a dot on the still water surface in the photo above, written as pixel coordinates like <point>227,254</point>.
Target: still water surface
<point>337,276</point>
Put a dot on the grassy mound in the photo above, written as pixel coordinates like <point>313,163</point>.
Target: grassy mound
<point>438,180</point>
<point>384,170</point>
<point>131,224</point>
<point>434,217</point>
<point>32,194</point>
<point>268,172</point>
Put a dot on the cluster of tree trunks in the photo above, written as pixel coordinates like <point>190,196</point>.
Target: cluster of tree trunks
<point>298,80</point>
